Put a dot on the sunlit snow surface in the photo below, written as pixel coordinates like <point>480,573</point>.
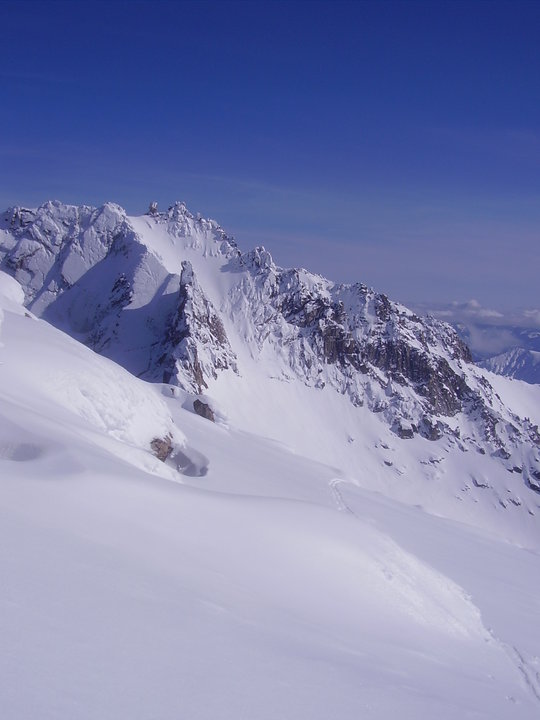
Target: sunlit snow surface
<point>255,584</point>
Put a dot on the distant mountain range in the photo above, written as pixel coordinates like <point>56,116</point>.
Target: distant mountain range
<point>518,363</point>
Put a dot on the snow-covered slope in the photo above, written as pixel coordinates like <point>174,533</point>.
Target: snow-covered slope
<point>234,580</point>
<point>518,363</point>
<point>338,373</point>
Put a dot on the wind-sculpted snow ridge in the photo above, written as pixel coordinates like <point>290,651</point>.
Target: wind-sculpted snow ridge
<point>171,298</point>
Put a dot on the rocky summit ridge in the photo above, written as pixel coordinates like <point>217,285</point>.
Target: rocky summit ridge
<point>171,297</point>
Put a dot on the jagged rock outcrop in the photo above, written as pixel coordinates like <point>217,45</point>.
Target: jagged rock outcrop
<point>162,447</point>
<point>195,324</point>
<point>204,410</point>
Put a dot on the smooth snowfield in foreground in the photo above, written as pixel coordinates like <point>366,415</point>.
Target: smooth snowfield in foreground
<point>237,581</point>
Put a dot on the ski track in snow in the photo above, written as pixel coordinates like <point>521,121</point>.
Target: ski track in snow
<point>338,497</point>
<point>530,674</point>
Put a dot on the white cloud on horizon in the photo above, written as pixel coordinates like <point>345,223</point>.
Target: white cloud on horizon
<point>471,311</point>
<point>488,332</point>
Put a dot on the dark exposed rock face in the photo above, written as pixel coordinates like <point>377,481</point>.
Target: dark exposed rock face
<point>432,377</point>
<point>534,481</point>
<point>404,430</point>
<point>204,410</point>
<point>381,335</point>
<point>431,429</point>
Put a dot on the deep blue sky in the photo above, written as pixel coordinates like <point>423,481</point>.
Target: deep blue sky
<point>395,143</point>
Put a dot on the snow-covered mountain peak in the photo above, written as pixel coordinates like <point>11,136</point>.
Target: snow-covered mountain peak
<point>170,234</point>
<point>169,296</point>
<point>53,214</point>
<point>259,259</point>
<point>178,211</point>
